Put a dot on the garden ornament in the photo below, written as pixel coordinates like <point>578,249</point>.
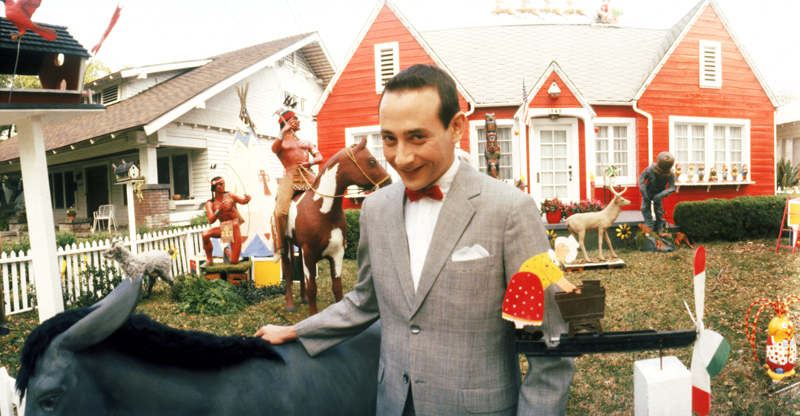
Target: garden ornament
<point>493,151</point>
<point>524,300</point>
<point>744,171</point>
<point>318,225</point>
<point>712,174</point>
<point>664,163</point>
<point>677,172</point>
<point>579,224</point>
<point>724,173</point>
<point>294,155</point>
<point>103,360</point>
<point>153,264</point>
<point>111,24</point>
<point>734,172</point>
<point>781,353</point>
<point>222,207</point>
<point>711,349</point>
<point>690,176</point>
<point>566,249</point>
<point>701,172</point>
<point>19,12</point>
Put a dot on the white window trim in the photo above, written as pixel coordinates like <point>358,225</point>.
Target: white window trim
<point>300,104</point>
<point>395,46</point>
<point>709,146</point>
<point>178,152</point>
<point>717,46</point>
<point>630,123</point>
<point>476,153</point>
<point>349,137</point>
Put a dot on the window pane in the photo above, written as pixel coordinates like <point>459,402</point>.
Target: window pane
<point>58,188</point>
<point>163,170</point>
<point>69,184</point>
<point>180,174</point>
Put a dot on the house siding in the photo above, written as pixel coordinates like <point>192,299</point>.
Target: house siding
<point>675,91</point>
<point>353,101</point>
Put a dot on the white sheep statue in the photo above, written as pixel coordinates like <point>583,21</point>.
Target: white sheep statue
<point>152,263</point>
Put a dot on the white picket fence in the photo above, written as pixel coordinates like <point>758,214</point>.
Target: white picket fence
<point>17,270</point>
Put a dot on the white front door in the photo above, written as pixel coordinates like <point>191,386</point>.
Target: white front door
<point>554,160</point>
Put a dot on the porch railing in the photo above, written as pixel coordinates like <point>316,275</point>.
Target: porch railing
<point>18,277</point>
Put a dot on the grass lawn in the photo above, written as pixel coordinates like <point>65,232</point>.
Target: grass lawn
<point>648,294</point>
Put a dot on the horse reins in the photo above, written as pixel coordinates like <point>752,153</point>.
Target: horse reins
<point>352,157</point>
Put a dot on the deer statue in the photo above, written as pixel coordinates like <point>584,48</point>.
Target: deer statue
<point>601,221</point>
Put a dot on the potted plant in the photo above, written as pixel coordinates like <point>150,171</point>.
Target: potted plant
<point>71,212</point>
<point>552,209</point>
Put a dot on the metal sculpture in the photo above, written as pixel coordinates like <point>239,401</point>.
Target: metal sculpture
<point>493,151</point>
<point>19,12</point>
<point>318,225</point>
<point>579,224</point>
<point>104,360</point>
<point>781,354</point>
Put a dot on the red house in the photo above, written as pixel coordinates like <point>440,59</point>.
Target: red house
<point>597,96</point>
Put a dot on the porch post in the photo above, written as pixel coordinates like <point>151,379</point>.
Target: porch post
<point>36,188</point>
<point>148,161</point>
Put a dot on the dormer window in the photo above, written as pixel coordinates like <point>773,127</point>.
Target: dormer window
<point>710,64</point>
<point>387,63</point>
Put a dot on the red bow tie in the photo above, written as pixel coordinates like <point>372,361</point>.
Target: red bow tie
<point>432,192</point>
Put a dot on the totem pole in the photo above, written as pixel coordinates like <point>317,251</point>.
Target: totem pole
<point>493,151</point>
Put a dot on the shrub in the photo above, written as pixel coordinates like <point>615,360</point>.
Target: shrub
<point>581,207</point>
<point>66,238</point>
<point>734,219</point>
<point>23,244</point>
<point>102,282</point>
<point>252,293</point>
<point>786,174</point>
<point>353,233</point>
<point>198,220</point>
<point>209,297</point>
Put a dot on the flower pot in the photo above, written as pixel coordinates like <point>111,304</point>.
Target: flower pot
<point>72,216</point>
<point>553,217</point>
<point>176,197</point>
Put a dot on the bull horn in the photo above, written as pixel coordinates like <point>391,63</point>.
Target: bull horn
<point>108,315</point>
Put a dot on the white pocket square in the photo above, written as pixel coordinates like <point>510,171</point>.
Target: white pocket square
<point>470,253</point>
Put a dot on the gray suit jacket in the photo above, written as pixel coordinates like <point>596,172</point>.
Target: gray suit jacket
<point>447,341</point>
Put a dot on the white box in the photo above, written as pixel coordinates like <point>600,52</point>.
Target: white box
<point>661,391</point>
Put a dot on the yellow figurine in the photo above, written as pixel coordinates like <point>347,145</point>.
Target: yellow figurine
<point>781,352</point>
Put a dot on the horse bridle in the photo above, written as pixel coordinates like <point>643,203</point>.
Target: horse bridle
<point>352,157</point>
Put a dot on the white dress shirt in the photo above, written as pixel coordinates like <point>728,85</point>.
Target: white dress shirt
<point>421,216</point>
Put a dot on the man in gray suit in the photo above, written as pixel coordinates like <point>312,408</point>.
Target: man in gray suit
<point>435,255</point>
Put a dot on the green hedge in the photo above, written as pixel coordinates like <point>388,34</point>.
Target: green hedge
<point>731,219</point>
<point>353,232</point>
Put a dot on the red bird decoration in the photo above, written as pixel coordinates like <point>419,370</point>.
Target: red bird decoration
<point>19,13</point>
<point>111,24</point>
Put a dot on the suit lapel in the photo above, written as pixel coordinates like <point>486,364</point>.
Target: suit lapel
<point>454,217</point>
<point>395,215</point>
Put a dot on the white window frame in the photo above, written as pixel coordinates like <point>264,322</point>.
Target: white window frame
<point>709,146</point>
<point>710,63</point>
<point>169,155</point>
<point>350,139</point>
<point>630,125</point>
<point>301,102</point>
<point>395,64</point>
<point>476,154</point>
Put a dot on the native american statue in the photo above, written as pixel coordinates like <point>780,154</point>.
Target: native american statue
<point>493,151</point>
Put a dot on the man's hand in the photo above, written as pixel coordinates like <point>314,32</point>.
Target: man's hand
<point>247,198</point>
<point>286,127</point>
<point>306,165</point>
<point>276,334</point>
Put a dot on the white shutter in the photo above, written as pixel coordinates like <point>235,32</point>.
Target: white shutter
<point>710,64</point>
<point>387,63</point>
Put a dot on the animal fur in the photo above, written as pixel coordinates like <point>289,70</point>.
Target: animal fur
<point>153,264</point>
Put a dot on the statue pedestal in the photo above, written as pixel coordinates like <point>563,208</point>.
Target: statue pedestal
<point>662,389</point>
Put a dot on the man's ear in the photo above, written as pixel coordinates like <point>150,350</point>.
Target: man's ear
<point>458,123</point>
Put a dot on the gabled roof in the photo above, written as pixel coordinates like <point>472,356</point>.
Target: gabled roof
<point>678,32</point>
<point>32,44</point>
<point>360,38</point>
<point>157,106</point>
<point>554,67</point>
<point>605,63</point>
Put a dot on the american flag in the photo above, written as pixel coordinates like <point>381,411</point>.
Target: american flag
<point>525,117</point>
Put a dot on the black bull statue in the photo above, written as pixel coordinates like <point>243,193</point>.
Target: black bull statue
<point>104,361</point>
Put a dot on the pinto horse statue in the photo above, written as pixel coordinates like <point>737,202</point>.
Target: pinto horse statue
<point>317,223</point>
<point>103,361</point>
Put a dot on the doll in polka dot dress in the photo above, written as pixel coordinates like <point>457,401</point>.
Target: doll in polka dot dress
<point>781,352</point>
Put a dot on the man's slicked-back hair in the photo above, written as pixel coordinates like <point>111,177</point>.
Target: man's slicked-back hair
<point>420,76</point>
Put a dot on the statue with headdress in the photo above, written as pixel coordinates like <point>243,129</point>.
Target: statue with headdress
<point>493,151</point>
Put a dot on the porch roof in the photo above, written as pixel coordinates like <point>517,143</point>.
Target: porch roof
<point>156,102</point>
